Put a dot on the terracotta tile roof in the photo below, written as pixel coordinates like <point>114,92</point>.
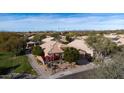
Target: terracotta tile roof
<point>56,48</point>
<point>80,44</point>
<point>52,47</point>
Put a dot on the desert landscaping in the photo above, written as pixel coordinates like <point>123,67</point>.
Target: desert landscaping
<point>57,55</point>
<point>61,45</point>
<point>53,62</point>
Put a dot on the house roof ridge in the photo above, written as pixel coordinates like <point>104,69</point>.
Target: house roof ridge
<point>52,47</point>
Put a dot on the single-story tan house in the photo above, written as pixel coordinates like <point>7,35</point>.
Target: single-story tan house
<point>81,45</point>
<point>31,37</point>
<point>53,51</point>
<point>120,41</point>
<point>52,47</point>
<point>47,39</point>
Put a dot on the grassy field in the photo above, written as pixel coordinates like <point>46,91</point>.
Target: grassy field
<point>16,64</point>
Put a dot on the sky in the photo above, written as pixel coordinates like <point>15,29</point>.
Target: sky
<point>60,21</point>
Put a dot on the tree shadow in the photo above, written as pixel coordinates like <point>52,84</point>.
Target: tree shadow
<point>84,59</point>
<point>1,54</point>
<point>6,70</point>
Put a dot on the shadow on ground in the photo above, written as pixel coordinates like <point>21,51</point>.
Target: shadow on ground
<point>6,70</point>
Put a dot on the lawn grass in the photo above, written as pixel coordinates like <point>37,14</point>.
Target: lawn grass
<point>16,64</point>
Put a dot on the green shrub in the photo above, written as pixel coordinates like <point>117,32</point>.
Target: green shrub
<point>56,36</point>
<point>39,37</point>
<point>68,38</point>
<point>37,50</point>
<point>71,54</point>
<point>102,46</point>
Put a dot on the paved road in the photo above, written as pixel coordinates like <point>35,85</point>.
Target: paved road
<point>73,71</point>
<point>40,71</point>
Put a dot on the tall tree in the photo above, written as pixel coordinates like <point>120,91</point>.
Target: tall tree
<point>13,42</point>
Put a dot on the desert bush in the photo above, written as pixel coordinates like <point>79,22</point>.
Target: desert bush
<point>71,54</point>
<point>37,50</point>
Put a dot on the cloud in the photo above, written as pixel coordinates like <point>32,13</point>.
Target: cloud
<point>60,22</point>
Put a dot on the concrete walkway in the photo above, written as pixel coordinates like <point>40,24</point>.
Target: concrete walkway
<point>40,71</point>
<point>73,71</point>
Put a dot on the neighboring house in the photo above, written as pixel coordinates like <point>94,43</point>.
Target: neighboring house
<point>47,39</point>
<point>121,35</point>
<point>110,35</point>
<point>30,38</point>
<point>82,37</point>
<point>63,38</point>
<point>81,45</point>
<point>118,39</point>
<point>30,44</point>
